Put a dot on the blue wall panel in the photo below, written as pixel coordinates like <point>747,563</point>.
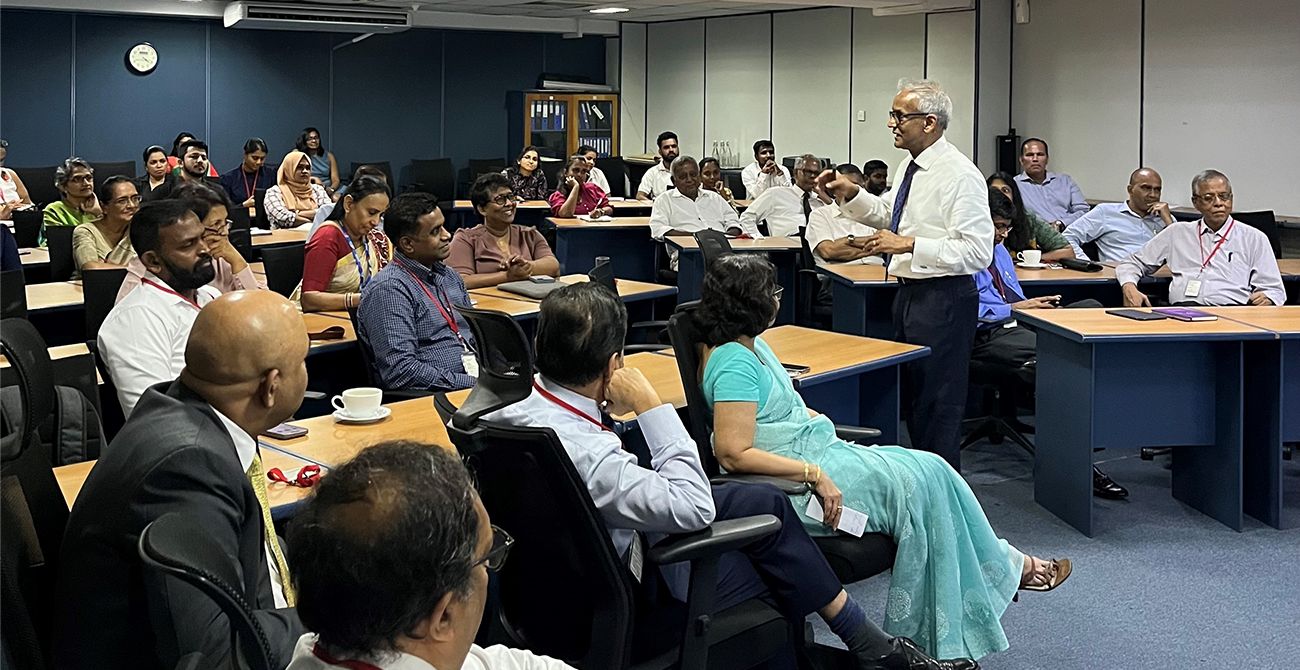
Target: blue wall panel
<point>35,95</point>
<point>481,67</point>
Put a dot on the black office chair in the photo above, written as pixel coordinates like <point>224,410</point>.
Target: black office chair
<point>283,265</point>
<point>99,288</point>
<point>58,241</point>
<point>812,309</point>
<point>40,184</point>
<point>998,394</point>
<point>853,559</point>
<point>259,210</point>
<point>1266,223</point>
<point>564,561</point>
<point>27,228</point>
<point>713,245</point>
<point>242,239</point>
<point>177,546</point>
<point>384,167</point>
<point>13,294</point>
<point>436,176</point>
<point>104,170</point>
<point>482,166</point>
<point>732,180</point>
<point>616,172</point>
<point>34,511</point>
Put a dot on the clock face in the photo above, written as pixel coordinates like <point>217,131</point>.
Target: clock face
<point>142,58</point>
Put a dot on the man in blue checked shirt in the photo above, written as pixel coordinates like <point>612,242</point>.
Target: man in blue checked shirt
<point>407,316</point>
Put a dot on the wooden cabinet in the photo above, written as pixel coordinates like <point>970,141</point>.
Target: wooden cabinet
<point>558,123</point>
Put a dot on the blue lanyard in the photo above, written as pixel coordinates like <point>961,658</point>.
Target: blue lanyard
<point>362,275</point>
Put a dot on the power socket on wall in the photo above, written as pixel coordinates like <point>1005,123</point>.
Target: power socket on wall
<point>862,115</point>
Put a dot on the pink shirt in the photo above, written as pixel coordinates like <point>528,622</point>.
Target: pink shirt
<point>475,251</point>
<point>589,198</point>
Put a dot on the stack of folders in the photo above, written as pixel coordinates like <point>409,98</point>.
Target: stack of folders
<point>548,115</point>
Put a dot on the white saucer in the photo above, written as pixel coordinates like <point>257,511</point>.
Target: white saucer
<point>1032,266</point>
<point>383,413</point>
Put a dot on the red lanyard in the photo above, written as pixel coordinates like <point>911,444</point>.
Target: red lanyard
<point>1205,262</point>
<point>168,289</point>
<point>248,190</point>
<point>566,406</point>
<point>451,322</point>
<point>351,665</point>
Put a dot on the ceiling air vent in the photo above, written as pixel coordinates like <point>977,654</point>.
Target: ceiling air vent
<point>269,16</point>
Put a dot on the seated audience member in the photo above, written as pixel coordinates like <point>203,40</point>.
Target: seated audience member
<point>156,173</point>
<point>176,161</point>
<point>1001,344</point>
<point>294,199</point>
<point>10,259</point>
<point>580,338</point>
<point>193,169</point>
<point>877,176</point>
<point>950,563</point>
<point>391,556</point>
<point>104,243</point>
<point>836,238</point>
<point>324,169</point>
<point>407,316</point>
<point>688,209</point>
<point>143,338</point>
<point>13,193</point>
<point>498,250</point>
<point>526,177</point>
<point>1054,197</point>
<point>231,271</point>
<point>1121,228</point>
<point>328,208</point>
<point>576,195</point>
<point>1029,231</point>
<point>711,179</point>
<point>347,251</point>
<point>1214,261</point>
<point>764,172</point>
<point>189,448</point>
<point>659,178</point>
<point>241,183</point>
<point>597,175</point>
<point>786,209</point>
<point>75,180</point>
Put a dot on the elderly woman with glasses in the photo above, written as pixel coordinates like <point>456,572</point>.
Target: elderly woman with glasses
<point>499,250</point>
<point>106,242</point>
<point>75,179</point>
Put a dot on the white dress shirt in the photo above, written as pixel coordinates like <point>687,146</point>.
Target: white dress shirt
<point>947,211</point>
<point>597,177</point>
<point>1242,265</point>
<point>246,449</point>
<point>781,208</point>
<point>756,181</point>
<point>143,339</point>
<point>827,224</point>
<point>657,179</point>
<point>673,210</point>
<point>495,657</point>
<point>1116,228</point>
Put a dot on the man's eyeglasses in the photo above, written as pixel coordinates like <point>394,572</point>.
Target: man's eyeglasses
<point>496,556</point>
<point>900,117</point>
<point>124,200</point>
<point>777,293</point>
<point>1209,198</point>
<point>221,229</point>
<point>504,199</point>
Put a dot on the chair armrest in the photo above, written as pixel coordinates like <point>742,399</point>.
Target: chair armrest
<point>855,433</point>
<point>718,538</point>
<point>786,486</point>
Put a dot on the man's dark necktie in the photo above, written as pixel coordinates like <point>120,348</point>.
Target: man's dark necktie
<point>900,199</point>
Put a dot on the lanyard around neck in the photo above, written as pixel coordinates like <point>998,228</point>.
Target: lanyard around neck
<point>444,311</point>
<point>171,291</point>
<point>1205,262</point>
<point>363,276</point>
<point>324,657</point>
<point>567,407</point>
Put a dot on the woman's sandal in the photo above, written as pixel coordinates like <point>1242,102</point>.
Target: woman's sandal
<point>1046,575</point>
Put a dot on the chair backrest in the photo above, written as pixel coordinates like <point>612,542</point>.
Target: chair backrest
<point>505,364</point>
<point>13,294</point>
<point>603,273</point>
<point>713,245</point>
<point>616,172</point>
<point>1266,223</point>
<point>283,267</point>
<point>27,227</point>
<point>686,350</point>
<point>481,166</point>
<point>58,240</point>
<point>40,184</point>
<point>436,176</point>
<point>241,238</point>
<point>259,210</point>
<point>367,356</point>
<point>733,181</point>
<point>384,167</point>
<point>100,289</point>
<point>104,170</point>
<point>177,546</point>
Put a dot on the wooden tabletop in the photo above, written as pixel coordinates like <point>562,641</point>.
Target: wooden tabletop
<point>54,295</point>
<point>616,222</point>
<point>1087,325</point>
<point>319,321</point>
<point>258,268</point>
<point>72,477</point>
<point>627,289</point>
<point>34,256</point>
<point>832,355</point>
<point>1283,320</point>
<point>875,274</point>
<point>57,353</point>
<point>281,236</point>
<point>765,244</point>
<point>1290,267</point>
<point>516,306</point>
<point>467,206</point>
<point>330,443</point>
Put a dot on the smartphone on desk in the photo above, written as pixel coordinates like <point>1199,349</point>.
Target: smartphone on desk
<point>542,279</point>
<point>794,370</point>
<point>285,431</point>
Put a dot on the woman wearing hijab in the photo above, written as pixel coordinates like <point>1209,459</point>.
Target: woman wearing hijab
<point>294,199</point>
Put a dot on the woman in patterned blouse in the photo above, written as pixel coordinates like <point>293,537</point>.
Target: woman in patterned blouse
<point>526,178</point>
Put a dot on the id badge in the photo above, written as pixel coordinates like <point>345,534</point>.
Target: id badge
<point>468,360</point>
<point>1193,288</point>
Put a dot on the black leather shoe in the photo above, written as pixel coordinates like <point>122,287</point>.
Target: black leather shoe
<point>1105,487</point>
<point>907,656</point>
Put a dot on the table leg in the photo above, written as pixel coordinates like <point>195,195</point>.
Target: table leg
<point>1263,424</point>
<point>850,312</point>
<point>1067,392</point>
<point>785,277</point>
<point>690,275</point>
<point>1209,477</point>
<point>631,251</point>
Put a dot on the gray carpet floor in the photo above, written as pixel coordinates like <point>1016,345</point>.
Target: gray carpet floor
<point>1159,586</point>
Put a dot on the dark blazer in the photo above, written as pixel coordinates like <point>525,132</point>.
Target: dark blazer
<point>173,455</point>
<point>164,190</point>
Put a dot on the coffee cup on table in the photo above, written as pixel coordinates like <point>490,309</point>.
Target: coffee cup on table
<point>1030,256</point>
<point>358,403</point>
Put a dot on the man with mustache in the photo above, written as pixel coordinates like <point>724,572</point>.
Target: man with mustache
<point>143,338</point>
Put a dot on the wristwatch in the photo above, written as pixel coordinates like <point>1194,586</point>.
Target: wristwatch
<point>851,238</point>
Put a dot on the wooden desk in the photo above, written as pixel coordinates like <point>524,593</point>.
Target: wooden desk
<point>58,353</point>
<point>54,296</point>
<point>467,206</point>
<point>72,477</point>
<point>639,222</point>
<point>329,443</point>
<point>518,307</point>
<point>625,240</point>
<point>1107,381</point>
<point>279,237</point>
<point>319,321</point>
<point>628,289</point>
<point>66,371</point>
<point>783,252</point>
<point>258,268</point>
<point>34,257</point>
<point>1290,267</point>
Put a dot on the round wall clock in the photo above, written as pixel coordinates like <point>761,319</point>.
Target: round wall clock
<point>142,58</point>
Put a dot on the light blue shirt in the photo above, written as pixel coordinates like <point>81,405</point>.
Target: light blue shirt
<point>1058,198</point>
<point>1116,228</point>
<point>994,306</point>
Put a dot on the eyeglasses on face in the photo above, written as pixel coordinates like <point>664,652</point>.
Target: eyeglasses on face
<point>504,199</point>
<point>496,556</point>
<point>1209,198</point>
<point>900,117</point>
<point>126,199</point>
<point>85,177</point>
<point>777,293</point>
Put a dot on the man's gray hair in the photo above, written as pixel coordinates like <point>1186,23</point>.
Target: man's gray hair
<point>930,98</point>
<point>1207,175</point>
<point>64,172</point>
<point>682,161</point>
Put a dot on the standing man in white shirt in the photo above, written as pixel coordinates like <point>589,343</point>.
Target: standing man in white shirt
<point>391,559</point>
<point>1052,196</point>
<point>833,237</point>
<point>143,338</point>
<point>786,209</point>
<point>935,234</point>
<point>688,209</point>
<point>596,176</point>
<point>764,172</point>
<point>660,177</point>
<point>1121,228</point>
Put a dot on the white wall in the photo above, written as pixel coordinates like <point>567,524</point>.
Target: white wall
<point>885,49</point>
<point>950,60</point>
<point>737,104</point>
<point>631,82</point>
<point>675,82</point>
<point>810,82</point>
<point>994,80</point>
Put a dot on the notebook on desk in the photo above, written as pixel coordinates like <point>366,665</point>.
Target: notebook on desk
<point>1185,314</point>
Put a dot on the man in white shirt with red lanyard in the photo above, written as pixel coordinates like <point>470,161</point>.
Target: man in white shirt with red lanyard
<point>935,234</point>
<point>143,338</point>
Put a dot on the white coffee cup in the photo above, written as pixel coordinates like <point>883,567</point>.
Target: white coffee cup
<point>1031,256</point>
<point>358,403</point>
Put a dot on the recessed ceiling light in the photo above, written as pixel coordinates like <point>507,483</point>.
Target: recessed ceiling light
<point>608,10</point>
